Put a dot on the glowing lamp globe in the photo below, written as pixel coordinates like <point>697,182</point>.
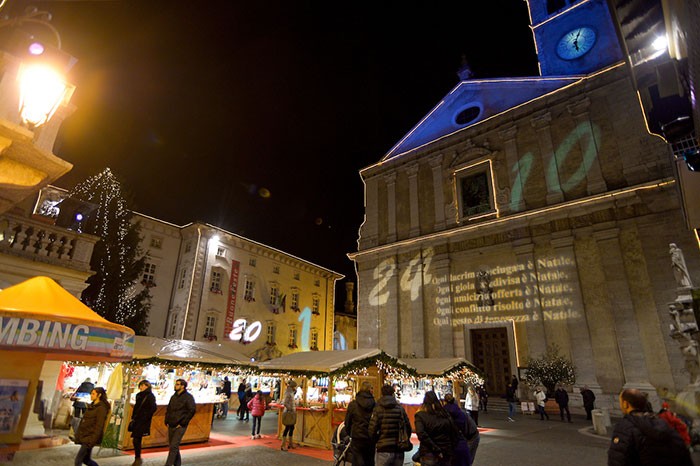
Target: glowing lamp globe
<point>41,92</point>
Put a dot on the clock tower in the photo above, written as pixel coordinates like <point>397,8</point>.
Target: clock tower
<point>574,37</point>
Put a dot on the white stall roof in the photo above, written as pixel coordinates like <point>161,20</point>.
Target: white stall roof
<point>433,366</point>
<point>320,361</point>
<point>186,350</point>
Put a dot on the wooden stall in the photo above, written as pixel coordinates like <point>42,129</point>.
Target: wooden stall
<point>161,361</point>
<point>327,382</point>
<point>443,375</point>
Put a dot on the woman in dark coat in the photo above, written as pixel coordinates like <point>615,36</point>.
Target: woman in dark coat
<point>92,427</point>
<point>144,409</point>
<point>436,432</point>
<point>462,455</point>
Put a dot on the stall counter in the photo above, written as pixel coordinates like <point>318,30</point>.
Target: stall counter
<point>198,429</point>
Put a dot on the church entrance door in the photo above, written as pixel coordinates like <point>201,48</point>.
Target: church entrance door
<point>491,354</point>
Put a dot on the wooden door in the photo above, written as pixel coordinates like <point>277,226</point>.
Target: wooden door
<point>491,354</point>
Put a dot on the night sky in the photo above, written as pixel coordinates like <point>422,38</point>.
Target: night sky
<point>256,116</point>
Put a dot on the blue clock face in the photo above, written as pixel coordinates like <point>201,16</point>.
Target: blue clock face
<point>576,43</point>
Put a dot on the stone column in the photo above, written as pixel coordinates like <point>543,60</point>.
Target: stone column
<point>634,366</point>
<point>579,333</point>
<point>508,135</point>
<point>438,192</point>
<point>550,165</point>
<point>390,180</point>
<point>412,171</point>
<point>369,229</point>
<point>442,308</point>
<point>412,325</point>
<point>536,339</point>
<point>579,111</point>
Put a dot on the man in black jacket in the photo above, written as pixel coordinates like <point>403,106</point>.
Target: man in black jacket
<point>642,439</point>
<point>384,427</point>
<point>562,399</point>
<point>180,412</point>
<point>357,424</point>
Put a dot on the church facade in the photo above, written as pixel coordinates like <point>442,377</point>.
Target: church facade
<point>528,212</point>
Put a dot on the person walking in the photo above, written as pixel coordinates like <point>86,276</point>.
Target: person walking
<point>241,399</point>
<point>289,415</point>
<point>226,391</point>
<point>247,396</point>
<point>588,401</point>
<point>388,418</point>
<point>641,438</point>
<point>257,407</point>
<point>461,456</point>
<point>512,400</point>
<point>92,427</point>
<point>79,407</point>
<point>140,426</point>
<point>540,399</point>
<point>436,432</point>
<point>178,415</point>
<point>483,398</point>
<point>562,399</point>
<point>471,404</point>
<point>357,423</point>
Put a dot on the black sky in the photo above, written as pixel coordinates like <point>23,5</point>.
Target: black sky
<point>201,106</point>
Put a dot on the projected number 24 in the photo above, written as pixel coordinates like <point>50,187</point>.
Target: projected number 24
<point>411,280</point>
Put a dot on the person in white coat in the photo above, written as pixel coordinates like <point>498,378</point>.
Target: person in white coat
<point>540,398</point>
<point>471,404</point>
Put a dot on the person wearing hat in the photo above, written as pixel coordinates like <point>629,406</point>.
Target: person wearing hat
<point>289,420</point>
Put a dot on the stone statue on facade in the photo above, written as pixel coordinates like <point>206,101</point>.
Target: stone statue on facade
<point>680,270</point>
<point>483,287</point>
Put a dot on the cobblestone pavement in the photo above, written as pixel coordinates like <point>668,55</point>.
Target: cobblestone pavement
<point>526,442</point>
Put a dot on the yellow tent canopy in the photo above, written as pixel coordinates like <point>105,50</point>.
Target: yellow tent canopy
<point>39,315</point>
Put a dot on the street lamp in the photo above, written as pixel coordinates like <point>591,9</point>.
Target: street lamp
<point>41,92</point>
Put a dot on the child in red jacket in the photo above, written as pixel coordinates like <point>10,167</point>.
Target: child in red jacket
<point>257,407</point>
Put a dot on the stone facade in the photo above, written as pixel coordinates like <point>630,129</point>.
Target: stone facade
<point>550,221</point>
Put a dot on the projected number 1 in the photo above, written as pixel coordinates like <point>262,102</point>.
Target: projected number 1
<point>305,319</point>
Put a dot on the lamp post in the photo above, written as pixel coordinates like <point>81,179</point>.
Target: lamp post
<point>34,101</point>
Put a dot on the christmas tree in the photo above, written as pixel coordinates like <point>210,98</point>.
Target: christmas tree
<point>550,369</point>
<point>117,259</point>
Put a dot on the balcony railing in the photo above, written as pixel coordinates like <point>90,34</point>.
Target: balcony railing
<point>37,241</point>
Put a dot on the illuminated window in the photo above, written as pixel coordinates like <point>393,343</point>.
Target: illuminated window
<point>316,305</point>
<point>270,332</point>
<point>215,281</point>
<point>181,280</point>
<point>156,242</point>
<point>297,276</point>
<point>314,339</point>
<point>149,275</point>
<point>252,262</point>
<point>276,269</point>
<point>220,251</point>
<point>274,293</point>
<point>210,328</point>
<point>295,300</point>
<point>292,340</point>
<point>249,293</point>
<point>475,191</point>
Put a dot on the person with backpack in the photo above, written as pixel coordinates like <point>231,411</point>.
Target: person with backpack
<point>643,439</point>
<point>257,407</point>
<point>388,418</point>
<point>357,423</point>
<point>541,399</point>
<point>92,427</point>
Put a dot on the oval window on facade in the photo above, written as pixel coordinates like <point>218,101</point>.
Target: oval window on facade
<point>468,115</point>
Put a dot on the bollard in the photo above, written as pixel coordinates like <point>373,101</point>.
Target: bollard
<point>601,421</point>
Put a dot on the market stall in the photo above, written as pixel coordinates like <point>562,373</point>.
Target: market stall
<point>442,375</point>
<point>162,361</point>
<point>327,382</point>
<point>40,322</point>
